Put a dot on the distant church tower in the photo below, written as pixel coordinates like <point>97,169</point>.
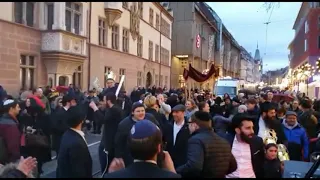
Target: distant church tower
<point>258,64</point>
<point>258,60</point>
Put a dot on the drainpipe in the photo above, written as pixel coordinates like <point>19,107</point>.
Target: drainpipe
<point>160,48</point>
<point>89,46</point>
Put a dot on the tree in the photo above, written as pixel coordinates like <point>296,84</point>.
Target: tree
<point>271,5</point>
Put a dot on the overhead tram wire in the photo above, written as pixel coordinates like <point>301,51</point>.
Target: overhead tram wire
<point>267,23</point>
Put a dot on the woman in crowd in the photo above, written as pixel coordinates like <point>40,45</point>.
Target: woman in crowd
<point>272,165</point>
<point>191,108</point>
<point>35,121</point>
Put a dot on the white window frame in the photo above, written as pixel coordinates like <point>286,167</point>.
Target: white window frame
<point>305,45</point>
<point>46,11</point>
<point>73,11</point>
<point>24,13</point>
<point>306,27</point>
<point>28,67</point>
<point>139,78</point>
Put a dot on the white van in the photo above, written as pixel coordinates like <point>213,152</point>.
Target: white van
<point>227,85</point>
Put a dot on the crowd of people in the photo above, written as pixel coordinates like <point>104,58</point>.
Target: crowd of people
<point>155,133</point>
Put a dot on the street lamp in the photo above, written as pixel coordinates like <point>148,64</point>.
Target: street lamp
<point>306,70</point>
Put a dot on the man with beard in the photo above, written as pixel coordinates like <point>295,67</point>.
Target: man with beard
<point>267,122</point>
<point>111,120</point>
<point>247,148</point>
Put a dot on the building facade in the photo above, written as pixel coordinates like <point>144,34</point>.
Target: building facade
<point>246,66</point>
<point>137,43</point>
<point>200,39</point>
<point>59,43</point>
<point>305,46</point>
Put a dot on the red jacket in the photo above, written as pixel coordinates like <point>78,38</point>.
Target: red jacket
<point>9,130</point>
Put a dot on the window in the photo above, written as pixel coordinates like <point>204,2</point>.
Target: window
<point>77,77</point>
<point>102,32</point>
<point>30,13</point>
<point>318,42</point>
<point>156,56</point>
<point>166,81</point>
<point>115,37</point>
<point>151,16</point>
<point>72,18</point>
<point>122,72</point>
<point>161,81</point>
<point>157,22</point>
<point>164,56</point>
<point>125,40</point>
<point>139,78</point>
<point>139,46</point>
<point>306,27</point>
<point>156,80</point>
<point>18,12</point>
<point>27,72</point>
<point>305,45</point>
<point>125,5</point>
<point>140,9</point>
<point>24,13</point>
<point>107,71</point>
<point>50,15</point>
<point>165,28</point>
<point>319,22</point>
<point>150,50</point>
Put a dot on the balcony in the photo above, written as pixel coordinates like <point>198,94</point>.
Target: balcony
<point>63,42</point>
<point>113,11</point>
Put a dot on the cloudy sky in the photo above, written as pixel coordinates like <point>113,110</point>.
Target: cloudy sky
<point>245,21</point>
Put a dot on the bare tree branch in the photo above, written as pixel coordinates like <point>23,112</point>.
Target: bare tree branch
<point>269,5</point>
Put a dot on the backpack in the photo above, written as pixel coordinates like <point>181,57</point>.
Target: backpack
<point>3,151</point>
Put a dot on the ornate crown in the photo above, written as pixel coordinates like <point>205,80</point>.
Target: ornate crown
<point>110,75</point>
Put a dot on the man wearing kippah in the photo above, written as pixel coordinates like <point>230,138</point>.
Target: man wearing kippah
<point>10,133</point>
<point>145,144</point>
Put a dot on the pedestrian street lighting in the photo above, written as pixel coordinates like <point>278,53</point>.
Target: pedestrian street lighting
<point>304,72</point>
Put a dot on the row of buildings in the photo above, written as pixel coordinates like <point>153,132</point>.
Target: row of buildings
<point>305,49</point>
<point>59,43</point>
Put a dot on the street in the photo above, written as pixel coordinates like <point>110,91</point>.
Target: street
<point>93,141</point>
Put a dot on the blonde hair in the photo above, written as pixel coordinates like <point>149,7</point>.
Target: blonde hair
<point>193,104</point>
<point>150,101</point>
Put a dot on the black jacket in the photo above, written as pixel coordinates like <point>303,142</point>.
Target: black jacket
<point>121,139</point>
<point>59,126</point>
<point>257,153</point>
<point>142,170</point>
<point>110,120</point>
<point>209,156</point>
<point>272,169</point>
<point>177,151</point>
<point>74,160</point>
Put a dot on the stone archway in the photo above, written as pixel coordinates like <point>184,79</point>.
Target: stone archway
<point>148,80</point>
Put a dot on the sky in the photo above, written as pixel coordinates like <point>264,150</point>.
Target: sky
<point>245,21</point>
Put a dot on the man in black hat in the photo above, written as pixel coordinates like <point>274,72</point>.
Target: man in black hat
<point>145,144</point>
<point>74,160</point>
<point>59,120</point>
<point>177,135</point>
<point>209,155</point>
<point>247,148</point>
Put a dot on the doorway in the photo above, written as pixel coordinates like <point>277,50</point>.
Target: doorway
<point>148,80</point>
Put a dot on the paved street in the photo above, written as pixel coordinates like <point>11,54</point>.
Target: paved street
<point>93,141</point>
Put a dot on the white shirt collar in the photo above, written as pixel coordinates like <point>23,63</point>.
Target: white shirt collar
<point>149,161</point>
<point>80,133</point>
